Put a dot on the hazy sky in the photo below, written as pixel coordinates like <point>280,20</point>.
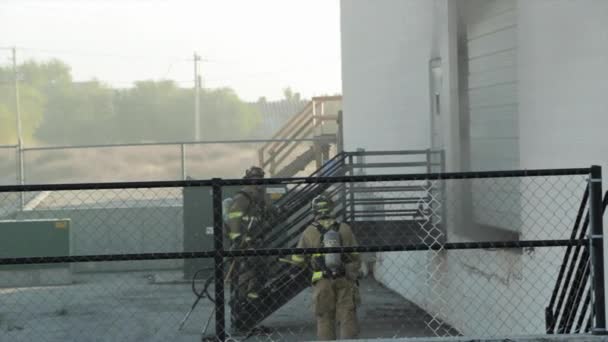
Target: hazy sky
<point>257,47</point>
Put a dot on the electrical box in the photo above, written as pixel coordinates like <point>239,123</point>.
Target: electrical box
<point>34,238</point>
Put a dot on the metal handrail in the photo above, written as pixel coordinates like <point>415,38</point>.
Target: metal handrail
<point>292,124</point>
<point>302,113</point>
<point>569,290</point>
<point>566,258</point>
<point>302,124</point>
<point>278,160</point>
<point>393,152</point>
<point>287,126</point>
<point>303,131</point>
<point>336,162</point>
<point>170,143</point>
<point>299,215</point>
<point>296,180</point>
<point>289,123</point>
<point>294,197</point>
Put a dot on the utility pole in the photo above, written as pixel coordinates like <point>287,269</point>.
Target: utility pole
<point>197,99</point>
<point>17,102</point>
<point>19,129</point>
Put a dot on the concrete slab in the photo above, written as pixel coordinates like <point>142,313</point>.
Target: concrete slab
<point>143,306</point>
<point>35,277</point>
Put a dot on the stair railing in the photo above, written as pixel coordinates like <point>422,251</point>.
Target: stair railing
<point>302,128</point>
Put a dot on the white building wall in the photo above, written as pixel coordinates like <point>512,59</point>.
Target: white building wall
<point>386,49</point>
<point>490,70</point>
<point>385,82</point>
<point>562,107</point>
<point>563,62</point>
<point>561,82</point>
<point>563,72</point>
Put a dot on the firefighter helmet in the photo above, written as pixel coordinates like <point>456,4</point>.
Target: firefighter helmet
<point>254,172</point>
<point>322,206</point>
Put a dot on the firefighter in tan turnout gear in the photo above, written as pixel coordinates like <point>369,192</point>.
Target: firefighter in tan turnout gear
<point>334,277</point>
<point>245,221</point>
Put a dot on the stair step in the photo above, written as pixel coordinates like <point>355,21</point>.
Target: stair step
<point>247,314</point>
<point>297,165</point>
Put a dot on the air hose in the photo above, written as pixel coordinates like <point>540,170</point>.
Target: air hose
<point>204,293</point>
<point>199,295</point>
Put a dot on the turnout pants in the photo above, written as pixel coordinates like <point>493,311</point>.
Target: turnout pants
<point>335,306</point>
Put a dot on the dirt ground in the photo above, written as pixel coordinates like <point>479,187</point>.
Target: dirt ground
<point>149,306</point>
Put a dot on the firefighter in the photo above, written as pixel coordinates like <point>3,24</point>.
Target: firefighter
<point>334,277</point>
<point>245,221</point>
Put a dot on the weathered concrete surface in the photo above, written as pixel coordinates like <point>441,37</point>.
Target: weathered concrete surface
<point>148,306</point>
<point>35,277</point>
<point>382,314</point>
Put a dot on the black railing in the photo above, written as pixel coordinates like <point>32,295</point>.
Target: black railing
<point>575,275</point>
<point>572,290</point>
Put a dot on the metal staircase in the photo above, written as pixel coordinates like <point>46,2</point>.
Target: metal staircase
<point>284,282</point>
<point>570,309</point>
<point>299,163</point>
<point>361,207</point>
<point>312,135</point>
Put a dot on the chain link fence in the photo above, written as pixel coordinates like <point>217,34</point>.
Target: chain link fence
<point>484,254</point>
<point>145,162</point>
<point>9,165</point>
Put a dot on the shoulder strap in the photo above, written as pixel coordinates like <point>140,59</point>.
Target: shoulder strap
<point>248,197</point>
<point>322,230</point>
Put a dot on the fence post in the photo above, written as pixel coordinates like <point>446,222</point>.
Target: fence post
<point>340,138</point>
<point>21,174</point>
<point>218,245</point>
<point>596,239</point>
<point>351,188</point>
<point>17,166</point>
<point>183,160</point>
<point>343,191</point>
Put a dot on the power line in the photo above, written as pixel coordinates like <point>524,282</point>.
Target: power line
<point>96,54</point>
<point>173,60</point>
<point>122,83</point>
<point>111,55</point>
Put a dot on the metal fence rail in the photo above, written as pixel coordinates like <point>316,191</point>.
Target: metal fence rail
<point>476,254</point>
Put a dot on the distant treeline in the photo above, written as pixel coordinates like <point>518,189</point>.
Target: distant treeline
<point>56,110</point>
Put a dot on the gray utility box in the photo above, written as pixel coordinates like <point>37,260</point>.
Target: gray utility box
<point>198,223</point>
<point>34,238</point>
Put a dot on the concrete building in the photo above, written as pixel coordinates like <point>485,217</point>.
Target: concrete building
<point>497,85</point>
